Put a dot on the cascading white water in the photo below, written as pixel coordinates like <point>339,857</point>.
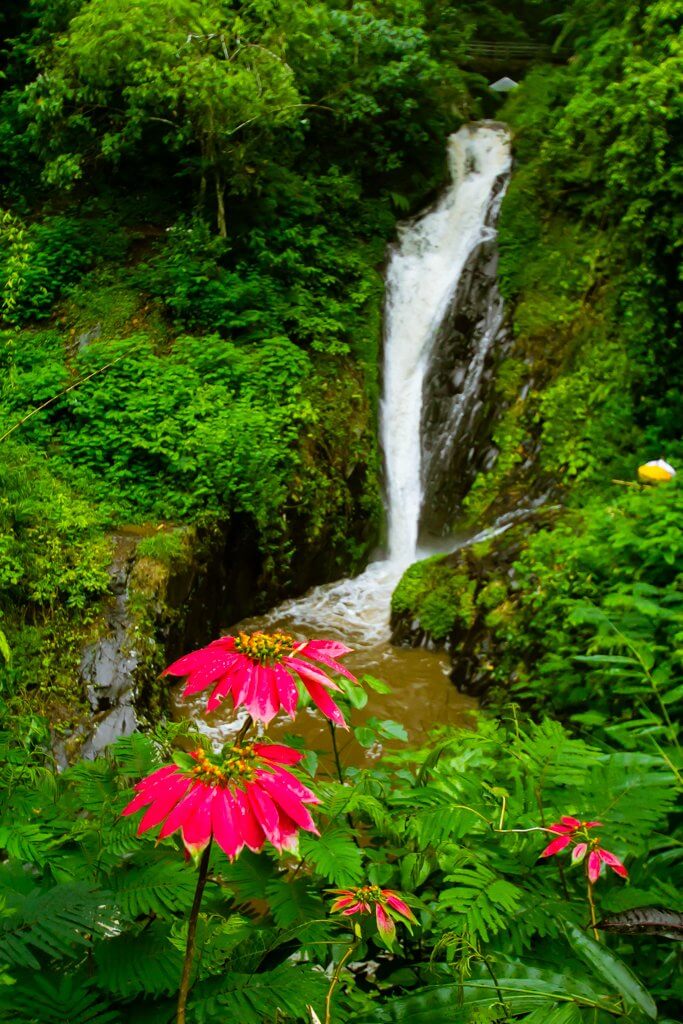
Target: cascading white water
<point>422,277</point>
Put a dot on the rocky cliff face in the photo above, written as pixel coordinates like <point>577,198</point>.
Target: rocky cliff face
<point>458,402</point>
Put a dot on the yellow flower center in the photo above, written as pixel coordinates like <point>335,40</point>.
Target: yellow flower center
<point>369,894</point>
<point>265,648</point>
<point>238,766</point>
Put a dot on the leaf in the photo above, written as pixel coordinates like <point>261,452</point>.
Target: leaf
<point>144,963</point>
<point>645,921</point>
<point>334,855</point>
<point>612,970</point>
<point>5,648</point>
<point>54,921</point>
<point>159,889</point>
<point>56,1000</point>
<point>257,997</point>
<point>378,685</point>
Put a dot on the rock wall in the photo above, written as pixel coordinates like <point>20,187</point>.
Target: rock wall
<point>458,402</point>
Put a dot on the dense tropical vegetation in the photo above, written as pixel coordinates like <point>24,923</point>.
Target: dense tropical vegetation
<point>196,199</point>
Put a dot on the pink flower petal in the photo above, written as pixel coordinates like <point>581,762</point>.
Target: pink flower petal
<point>556,846</point>
<point>289,803</point>
<point>209,673</point>
<point>278,752</point>
<point>342,902</point>
<point>196,829</point>
<point>308,672</point>
<point>164,803</point>
<point>242,687</point>
<point>357,908</point>
<point>332,648</point>
<point>225,823</point>
<point>324,702</point>
<point>328,662</point>
<point>211,654</point>
<point>394,901</point>
<point>252,833</point>
<point>295,787</point>
<point>287,690</point>
<point>183,810</point>
<point>385,925</point>
<point>265,812</point>
<point>570,822</point>
<point>594,865</point>
<point>289,833</point>
<point>579,852</point>
<point>262,694</point>
<point>592,824</point>
<point>156,777</point>
<point>613,862</point>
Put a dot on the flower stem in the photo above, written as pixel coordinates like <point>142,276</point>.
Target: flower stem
<point>591,904</point>
<point>192,933</point>
<point>335,978</point>
<point>337,761</point>
<point>248,722</point>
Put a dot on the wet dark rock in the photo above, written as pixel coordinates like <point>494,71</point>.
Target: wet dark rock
<point>459,389</point>
<point>160,608</point>
<point>474,572</point>
<point>108,667</point>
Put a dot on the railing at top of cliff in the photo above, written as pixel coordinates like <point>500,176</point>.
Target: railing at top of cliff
<point>501,51</point>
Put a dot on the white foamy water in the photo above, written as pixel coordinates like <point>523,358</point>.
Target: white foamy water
<point>422,276</point>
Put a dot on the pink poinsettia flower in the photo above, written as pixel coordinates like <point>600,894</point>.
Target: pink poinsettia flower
<point>596,858</point>
<point>258,670</point>
<point>386,903</point>
<point>572,832</point>
<point>566,830</point>
<point>243,798</point>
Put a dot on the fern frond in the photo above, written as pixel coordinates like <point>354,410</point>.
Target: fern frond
<point>51,921</point>
<point>38,999</point>
<point>255,998</point>
<point>334,855</point>
<point>142,963</point>
<point>292,901</point>
<point>480,902</point>
<point>160,888</point>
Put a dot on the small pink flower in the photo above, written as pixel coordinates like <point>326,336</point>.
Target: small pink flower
<point>387,904</point>
<point>597,858</point>
<point>258,670</point>
<point>568,831</point>
<point>242,799</point>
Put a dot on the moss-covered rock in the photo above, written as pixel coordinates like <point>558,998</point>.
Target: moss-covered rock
<point>465,602</point>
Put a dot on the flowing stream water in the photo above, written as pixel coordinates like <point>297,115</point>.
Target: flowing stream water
<point>424,269</point>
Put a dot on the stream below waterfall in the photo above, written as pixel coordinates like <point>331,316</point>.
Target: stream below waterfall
<point>424,270</point>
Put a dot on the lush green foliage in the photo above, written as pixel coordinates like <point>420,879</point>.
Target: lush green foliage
<point>590,240</point>
<point>154,369</point>
<point>100,912</point>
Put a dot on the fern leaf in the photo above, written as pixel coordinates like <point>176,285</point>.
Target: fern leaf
<point>292,902</point>
<point>255,998</point>
<point>54,921</point>
<point>160,889</point>
<point>131,964</point>
<point>50,1000</point>
<point>334,855</point>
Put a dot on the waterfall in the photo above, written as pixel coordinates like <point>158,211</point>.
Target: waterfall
<point>424,270</point>
<point>422,278</point>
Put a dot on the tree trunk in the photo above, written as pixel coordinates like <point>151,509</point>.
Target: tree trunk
<point>220,207</point>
